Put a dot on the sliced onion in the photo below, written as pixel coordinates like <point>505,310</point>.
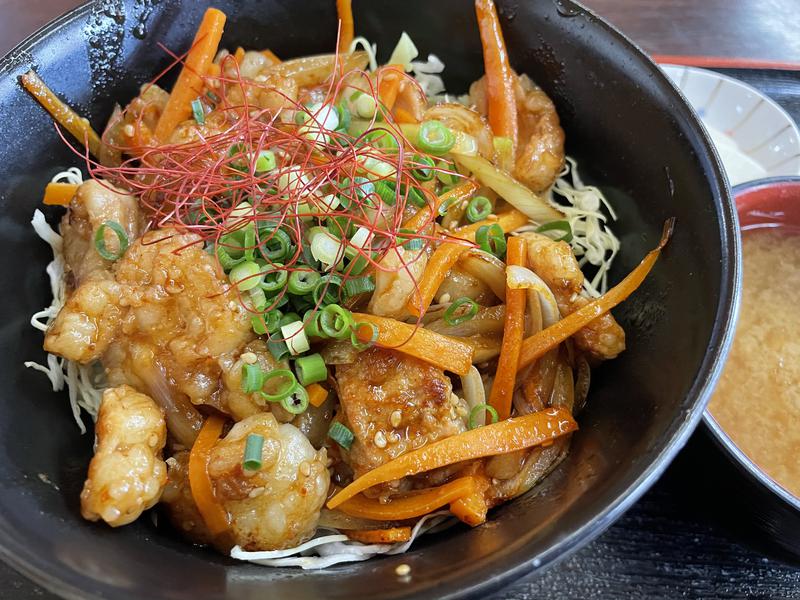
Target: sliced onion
<point>487,268</point>
<point>313,70</point>
<point>488,321</point>
<point>512,191</point>
<point>520,278</point>
<point>474,393</point>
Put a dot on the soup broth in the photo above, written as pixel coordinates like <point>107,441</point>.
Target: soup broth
<point>758,399</point>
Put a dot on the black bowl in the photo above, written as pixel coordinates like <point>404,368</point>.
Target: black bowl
<point>631,132</point>
<point>770,508</point>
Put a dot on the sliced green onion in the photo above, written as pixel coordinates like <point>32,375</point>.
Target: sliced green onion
<point>355,339</point>
<point>365,106</point>
<point>246,275</point>
<point>100,240</point>
<point>412,240</point>
<point>381,138</point>
<point>295,337</point>
<point>335,322</point>
<point>311,323</point>
<point>252,452</point>
<point>198,112</point>
<point>265,161</point>
<point>225,260</point>
<point>557,226</point>
<point>277,348</point>
<point>491,239</point>
<point>446,173</point>
<point>423,167</point>
<point>435,138</point>
<point>414,196</point>
<point>297,401</point>
<point>328,290</point>
<point>259,327</point>
<point>272,320</point>
<point>361,237</point>
<point>277,244</point>
<point>478,409</point>
<point>252,378</point>
<point>303,281</point>
<point>325,246</point>
<point>344,116</point>
<point>275,278</point>
<point>451,318</point>
<point>289,317</point>
<point>249,243</point>
<point>257,299</point>
<point>340,434</point>
<point>358,285</point>
<point>284,380</point>
<point>311,369</point>
<point>478,209</point>
<point>386,191</point>
<point>362,187</point>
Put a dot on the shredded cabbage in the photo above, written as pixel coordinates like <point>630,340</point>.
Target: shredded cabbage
<point>327,550</point>
<point>83,382</point>
<point>370,49</point>
<point>404,52</point>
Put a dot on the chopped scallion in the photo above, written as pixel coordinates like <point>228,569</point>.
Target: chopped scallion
<point>340,434</point>
<point>198,112</point>
<point>435,138</point>
<point>311,369</point>
<point>296,402</point>
<point>455,315</point>
<point>302,281</point>
<point>246,275</point>
<point>491,239</point>
<point>557,226</point>
<point>478,209</point>
<point>252,378</point>
<point>358,285</point>
<point>278,384</point>
<point>295,337</point>
<point>478,409</point>
<point>100,240</point>
<point>252,452</point>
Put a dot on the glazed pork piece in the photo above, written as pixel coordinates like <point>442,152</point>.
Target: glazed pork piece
<point>394,403</point>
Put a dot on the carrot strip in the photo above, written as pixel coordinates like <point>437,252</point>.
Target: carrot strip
<point>214,70</point>
<point>410,505</point>
<point>59,194</point>
<point>459,193</point>
<point>389,88</point>
<point>190,80</point>
<point>472,508</point>
<point>508,221</point>
<point>271,55</point>
<point>536,345</point>
<point>379,536</point>
<point>238,55</point>
<point>440,262</point>
<point>401,115</point>
<point>513,332</point>
<point>63,114</point>
<point>344,8</point>
<point>447,353</point>
<point>502,437</point>
<point>316,394</point>
<point>502,102</point>
<point>214,515</point>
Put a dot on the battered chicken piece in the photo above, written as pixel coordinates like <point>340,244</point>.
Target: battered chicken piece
<point>555,263</point>
<point>235,402</point>
<point>126,475</point>
<point>275,507</point>
<point>394,403</point>
<point>395,281</point>
<point>94,204</point>
<point>540,151</point>
<point>134,127</point>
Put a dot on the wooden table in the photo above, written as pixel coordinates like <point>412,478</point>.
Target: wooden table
<point>674,543</point>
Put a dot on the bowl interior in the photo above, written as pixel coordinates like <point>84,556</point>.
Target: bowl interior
<point>631,133</point>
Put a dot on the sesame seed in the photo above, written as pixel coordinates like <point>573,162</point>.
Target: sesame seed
<point>402,570</point>
<point>305,468</point>
<point>380,440</point>
<point>128,130</point>
<point>249,358</point>
<point>395,418</point>
<point>444,298</point>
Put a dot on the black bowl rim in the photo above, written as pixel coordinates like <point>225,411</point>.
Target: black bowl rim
<point>721,438</point>
<point>29,563</point>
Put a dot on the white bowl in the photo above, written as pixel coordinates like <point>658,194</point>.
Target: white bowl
<point>754,136</point>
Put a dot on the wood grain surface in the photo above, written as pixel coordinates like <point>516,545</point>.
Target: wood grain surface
<point>676,542</point>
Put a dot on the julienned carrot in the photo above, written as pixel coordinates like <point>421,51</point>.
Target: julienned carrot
<point>379,536</point>
<point>271,56</point>
<point>409,506</point>
<point>461,192</point>
<point>316,394</point>
<point>502,103</point>
<point>472,508</point>
<point>502,437</point>
<point>190,80</point>
<point>214,515</point>
<point>63,114</point>
<point>401,115</point>
<point>389,88</point>
<point>513,332</point>
<point>536,345</point>
<point>344,8</point>
<point>59,194</point>
<point>439,350</point>
<point>440,262</point>
<point>238,55</point>
<point>508,221</point>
